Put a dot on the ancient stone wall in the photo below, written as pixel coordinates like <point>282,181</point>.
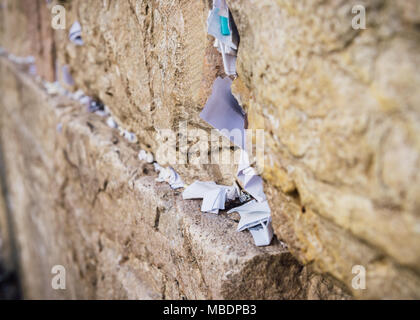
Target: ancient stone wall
<point>82,199</point>
<point>340,113</point>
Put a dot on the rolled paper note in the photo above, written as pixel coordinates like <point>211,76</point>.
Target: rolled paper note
<point>224,25</point>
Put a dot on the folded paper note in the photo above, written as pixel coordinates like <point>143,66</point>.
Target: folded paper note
<point>249,179</point>
<point>233,192</point>
<point>252,214</point>
<point>229,61</point>
<point>146,156</point>
<point>255,216</point>
<point>68,79</point>
<point>175,180</point>
<point>214,29</point>
<point>220,25</point>
<point>223,112</point>
<point>262,233</point>
<point>214,196</point>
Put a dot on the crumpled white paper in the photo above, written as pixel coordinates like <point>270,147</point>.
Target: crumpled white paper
<point>213,29</point>
<point>168,175</point>
<point>252,213</point>
<point>263,233</point>
<point>68,79</point>
<point>223,112</point>
<point>214,196</point>
<point>54,88</point>
<point>129,136</point>
<point>256,216</point>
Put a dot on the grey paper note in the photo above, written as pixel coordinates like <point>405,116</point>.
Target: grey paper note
<point>223,112</point>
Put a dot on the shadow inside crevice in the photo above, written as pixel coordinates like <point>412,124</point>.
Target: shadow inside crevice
<point>9,285</point>
<point>10,288</point>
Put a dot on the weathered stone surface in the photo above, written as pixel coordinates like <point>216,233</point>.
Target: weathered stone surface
<point>340,110</point>
<point>82,199</point>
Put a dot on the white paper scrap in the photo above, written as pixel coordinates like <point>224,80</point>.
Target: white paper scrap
<point>175,180</point>
<point>85,100</point>
<point>256,217</point>
<point>101,113</point>
<point>168,175</point>
<point>75,34</point>
<point>213,195</point>
<point>227,45</point>
<point>79,94</point>
<point>213,29</point>
<point>54,88</point>
<point>229,60</point>
<point>68,79</point>
<point>129,136</point>
<point>251,182</point>
<point>263,233</point>
<point>214,200</point>
<point>252,214</point>
<point>32,69</point>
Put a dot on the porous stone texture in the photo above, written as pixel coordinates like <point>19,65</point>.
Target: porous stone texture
<point>340,109</point>
<point>153,64</point>
<point>82,199</point>
<point>340,113</point>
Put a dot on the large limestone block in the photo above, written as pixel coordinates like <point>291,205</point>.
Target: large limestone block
<point>80,198</point>
<point>5,245</point>
<point>153,64</point>
<point>340,109</point>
